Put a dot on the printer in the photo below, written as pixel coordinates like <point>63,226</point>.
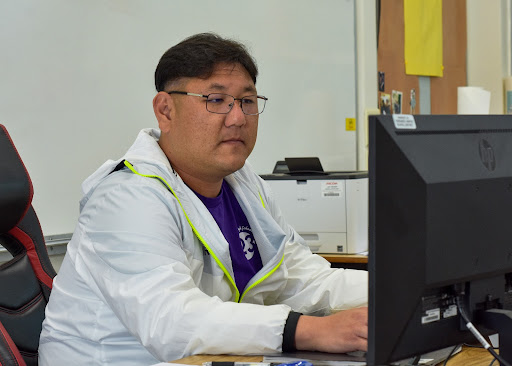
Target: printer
<point>328,209</point>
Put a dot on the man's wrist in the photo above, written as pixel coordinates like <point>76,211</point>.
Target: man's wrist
<point>290,328</point>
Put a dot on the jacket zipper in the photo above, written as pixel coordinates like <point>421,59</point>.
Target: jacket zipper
<point>238,298</point>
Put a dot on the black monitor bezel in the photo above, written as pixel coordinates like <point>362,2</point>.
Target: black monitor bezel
<point>397,339</point>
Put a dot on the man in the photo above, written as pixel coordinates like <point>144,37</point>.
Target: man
<point>180,248</point>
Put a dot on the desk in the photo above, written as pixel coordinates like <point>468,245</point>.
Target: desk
<point>472,357</point>
<point>353,261</point>
<point>467,357</point>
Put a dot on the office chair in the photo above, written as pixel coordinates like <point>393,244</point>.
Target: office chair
<point>9,354</point>
<point>26,280</point>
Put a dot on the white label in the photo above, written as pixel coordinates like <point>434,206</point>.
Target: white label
<point>302,192</point>
<point>432,315</point>
<point>404,121</point>
<point>450,311</point>
<point>332,188</point>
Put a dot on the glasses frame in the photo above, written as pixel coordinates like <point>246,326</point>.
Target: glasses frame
<point>234,100</point>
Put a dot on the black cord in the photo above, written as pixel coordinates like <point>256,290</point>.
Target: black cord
<point>492,362</point>
<point>477,334</point>
<point>451,354</point>
<point>416,360</point>
<point>477,346</point>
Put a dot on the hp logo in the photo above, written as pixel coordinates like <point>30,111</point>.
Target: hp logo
<point>487,155</point>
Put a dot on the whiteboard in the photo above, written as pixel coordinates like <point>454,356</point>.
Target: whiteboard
<point>76,82</point>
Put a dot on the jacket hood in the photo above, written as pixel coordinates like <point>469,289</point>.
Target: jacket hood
<point>146,141</point>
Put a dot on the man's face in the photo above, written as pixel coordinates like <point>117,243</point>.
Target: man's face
<point>204,145</point>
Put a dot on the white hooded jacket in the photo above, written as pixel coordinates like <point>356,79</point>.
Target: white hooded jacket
<point>147,276</point>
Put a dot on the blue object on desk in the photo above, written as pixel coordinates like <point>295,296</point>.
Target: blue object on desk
<point>297,363</point>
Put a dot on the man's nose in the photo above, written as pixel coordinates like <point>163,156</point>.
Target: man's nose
<point>236,116</point>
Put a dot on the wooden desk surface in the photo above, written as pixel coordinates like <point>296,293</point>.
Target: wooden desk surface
<point>345,258</point>
<point>199,359</point>
<point>472,357</point>
<point>467,357</point>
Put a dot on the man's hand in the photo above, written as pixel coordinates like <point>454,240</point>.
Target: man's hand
<point>342,332</point>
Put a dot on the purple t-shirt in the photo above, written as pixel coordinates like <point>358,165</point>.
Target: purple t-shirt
<point>233,223</point>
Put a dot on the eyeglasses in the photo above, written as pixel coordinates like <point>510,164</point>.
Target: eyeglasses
<point>223,103</point>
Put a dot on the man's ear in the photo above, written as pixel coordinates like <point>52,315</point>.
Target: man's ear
<point>163,107</point>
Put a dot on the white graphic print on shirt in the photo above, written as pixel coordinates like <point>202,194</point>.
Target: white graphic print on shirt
<point>247,241</point>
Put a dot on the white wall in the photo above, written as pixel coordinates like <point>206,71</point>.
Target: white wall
<point>366,51</point>
<point>488,52</point>
<point>57,261</point>
<point>76,82</point>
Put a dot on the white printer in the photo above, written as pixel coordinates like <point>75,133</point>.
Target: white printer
<point>329,210</point>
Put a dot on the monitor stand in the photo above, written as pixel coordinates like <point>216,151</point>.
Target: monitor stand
<point>500,321</point>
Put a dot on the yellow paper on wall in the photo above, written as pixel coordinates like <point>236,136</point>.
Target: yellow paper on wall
<point>350,124</point>
<point>423,42</point>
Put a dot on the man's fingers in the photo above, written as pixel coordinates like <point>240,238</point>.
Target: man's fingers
<point>362,332</point>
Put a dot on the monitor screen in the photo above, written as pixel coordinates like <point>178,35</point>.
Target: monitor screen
<point>440,220</point>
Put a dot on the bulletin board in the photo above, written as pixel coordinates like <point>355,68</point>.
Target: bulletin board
<point>391,63</point>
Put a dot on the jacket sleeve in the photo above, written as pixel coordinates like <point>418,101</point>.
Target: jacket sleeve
<point>313,287</point>
<point>132,250</point>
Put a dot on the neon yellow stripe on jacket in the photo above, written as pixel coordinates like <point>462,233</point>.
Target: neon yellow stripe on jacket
<point>238,298</point>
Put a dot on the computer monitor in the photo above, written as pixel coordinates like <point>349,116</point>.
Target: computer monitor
<point>440,220</point>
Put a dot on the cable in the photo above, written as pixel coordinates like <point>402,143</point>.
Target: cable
<point>476,346</point>
<point>451,354</point>
<point>416,360</point>
<point>477,334</point>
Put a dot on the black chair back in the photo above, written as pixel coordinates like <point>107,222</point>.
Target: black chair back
<point>25,280</point>
<point>9,354</point>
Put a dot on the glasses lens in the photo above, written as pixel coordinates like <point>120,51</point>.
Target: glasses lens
<point>223,103</point>
<point>219,103</point>
<point>250,104</point>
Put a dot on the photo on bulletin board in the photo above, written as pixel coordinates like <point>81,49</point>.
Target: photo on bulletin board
<point>397,101</point>
<point>385,103</point>
<point>509,102</point>
<point>382,81</point>
<point>412,102</point>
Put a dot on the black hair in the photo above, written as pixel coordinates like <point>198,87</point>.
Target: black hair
<point>197,56</point>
